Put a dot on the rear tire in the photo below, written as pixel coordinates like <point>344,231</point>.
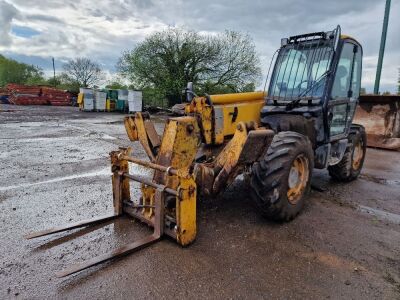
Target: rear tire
<point>349,168</point>
<point>281,180</point>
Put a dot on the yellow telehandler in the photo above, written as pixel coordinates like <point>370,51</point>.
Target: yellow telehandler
<point>274,140</point>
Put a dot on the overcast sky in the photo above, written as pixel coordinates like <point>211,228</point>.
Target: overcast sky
<point>33,31</point>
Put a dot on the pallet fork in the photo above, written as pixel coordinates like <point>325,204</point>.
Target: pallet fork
<point>168,201</point>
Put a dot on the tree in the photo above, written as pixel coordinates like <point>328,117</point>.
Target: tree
<point>63,82</point>
<point>12,71</point>
<point>167,60</point>
<point>82,72</point>
<point>115,85</point>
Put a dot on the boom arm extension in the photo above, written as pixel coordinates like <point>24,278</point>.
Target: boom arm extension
<point>140,128</point>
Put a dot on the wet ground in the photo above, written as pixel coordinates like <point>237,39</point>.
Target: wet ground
<point>55,169</point>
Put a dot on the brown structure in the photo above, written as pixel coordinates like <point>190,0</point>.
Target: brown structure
<point>380,115</point>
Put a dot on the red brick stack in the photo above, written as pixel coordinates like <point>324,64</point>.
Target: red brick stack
<point>56,97</point>
<point>25,95</point>
<point>36,95</point>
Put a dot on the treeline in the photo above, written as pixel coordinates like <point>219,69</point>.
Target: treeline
<point>12,71</point>
<point>80,72</point>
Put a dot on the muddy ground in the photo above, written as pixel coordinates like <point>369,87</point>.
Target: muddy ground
<point>55,169</point>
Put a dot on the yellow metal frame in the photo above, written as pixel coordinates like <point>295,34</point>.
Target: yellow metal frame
<point>186,211</point>
<point>237,98</point>
<point>219,115</point>
<point>246,112</point>
<point>141,129</point>
<point>231,119</point>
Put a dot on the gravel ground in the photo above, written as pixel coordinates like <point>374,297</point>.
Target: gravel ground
<point>55,169</point>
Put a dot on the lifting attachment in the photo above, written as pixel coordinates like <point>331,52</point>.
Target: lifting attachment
<point>150,209</point>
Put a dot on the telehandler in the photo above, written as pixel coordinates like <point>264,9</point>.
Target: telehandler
<point>274,140</point>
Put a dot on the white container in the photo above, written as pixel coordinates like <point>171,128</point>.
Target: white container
<point>100,99</point>
<point>88,103</point>
<point>135,101</point>
<point>88,99</point>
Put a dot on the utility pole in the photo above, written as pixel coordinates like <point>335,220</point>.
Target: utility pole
<point>382,47</point>
<point>54,72</point>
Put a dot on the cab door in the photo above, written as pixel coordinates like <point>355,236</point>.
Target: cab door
<point>345,90</point>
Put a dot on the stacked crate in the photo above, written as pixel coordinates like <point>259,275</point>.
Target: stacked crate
<point>112,96</point>
<point>135,101</point>
<point>100,99</point>
<point>122,102</point>
<point>88,99</point>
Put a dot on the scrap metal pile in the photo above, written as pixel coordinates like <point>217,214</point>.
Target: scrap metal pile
<point>36,95</point>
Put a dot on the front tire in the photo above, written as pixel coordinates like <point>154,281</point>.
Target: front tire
<point>349,168</point>
<point>281,180</point>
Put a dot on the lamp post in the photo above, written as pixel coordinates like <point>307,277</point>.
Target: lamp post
<point>382,47</point>
<point>54,72</point>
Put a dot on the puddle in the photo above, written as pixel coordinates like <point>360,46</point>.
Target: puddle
<point>103,172</point>
<point>43,139</point>
<point>133,169</point>
<point>106,136</point>
<point>379,180</point>
<point>85,133</point>
<point>393,182</point>
<point>395,218</point>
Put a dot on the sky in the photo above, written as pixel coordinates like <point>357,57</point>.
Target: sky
<point>34,31</point>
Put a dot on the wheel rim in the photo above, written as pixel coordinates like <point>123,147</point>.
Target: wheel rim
<point>358,154</point>
<point>298,178</point>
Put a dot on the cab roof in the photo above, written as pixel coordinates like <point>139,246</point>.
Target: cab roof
<point>345,36</point>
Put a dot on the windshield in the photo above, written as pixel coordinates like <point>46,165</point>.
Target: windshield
<point>300,71</point>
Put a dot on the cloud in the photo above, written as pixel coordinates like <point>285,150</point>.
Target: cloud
<point>102,31</point>
<point>7,13</point>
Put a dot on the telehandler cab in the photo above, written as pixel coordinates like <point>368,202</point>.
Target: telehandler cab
<point>275,140</point>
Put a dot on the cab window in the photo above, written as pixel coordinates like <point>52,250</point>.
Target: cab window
<point>341,84</point>
<point>355,83</point>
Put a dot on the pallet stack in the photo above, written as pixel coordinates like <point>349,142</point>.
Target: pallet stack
<point>56,97</point>
<point>37,95</point>
<point>25,95</point>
